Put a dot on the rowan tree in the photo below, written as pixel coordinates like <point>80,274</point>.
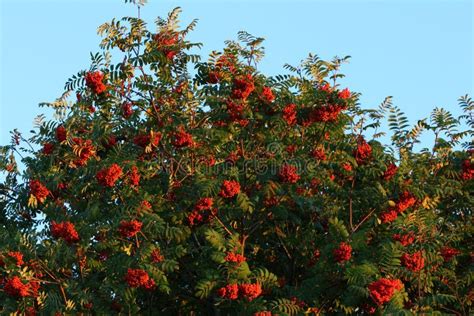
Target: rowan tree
<point>172,185</point>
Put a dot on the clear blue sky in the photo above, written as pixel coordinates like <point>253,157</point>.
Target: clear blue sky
<point>420,52</point>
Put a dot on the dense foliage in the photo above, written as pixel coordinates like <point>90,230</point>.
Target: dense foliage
<point>221,190</point>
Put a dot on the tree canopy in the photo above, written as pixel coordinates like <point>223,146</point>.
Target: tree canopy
<point>173,185</point>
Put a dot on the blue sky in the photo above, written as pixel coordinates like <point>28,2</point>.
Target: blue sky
<point>418,51</point>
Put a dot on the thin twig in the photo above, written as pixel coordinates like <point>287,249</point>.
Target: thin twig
<point>366,217</point>
<point>350,203</point>
<point>223,225</point>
